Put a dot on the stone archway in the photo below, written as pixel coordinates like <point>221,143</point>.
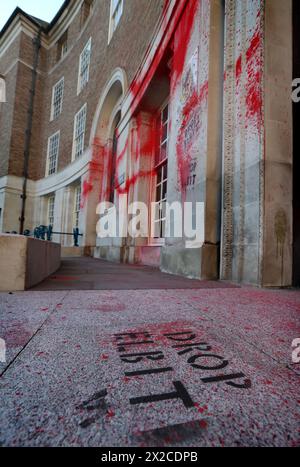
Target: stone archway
<point>97,181</point>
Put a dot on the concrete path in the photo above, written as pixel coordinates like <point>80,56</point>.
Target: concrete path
<point>155,367</point>
<point>95,274</point>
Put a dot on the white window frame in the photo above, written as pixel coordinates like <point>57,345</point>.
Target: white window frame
<point>48,165</point>
<point>82,133</point>
<point>84,74</point>
<point>116,7</point>
<point>161,165</point>
<point>55,87</point>
<point>77,206</point>
<point>51,206</point>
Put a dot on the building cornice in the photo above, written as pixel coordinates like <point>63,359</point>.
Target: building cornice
<point>20,21</point>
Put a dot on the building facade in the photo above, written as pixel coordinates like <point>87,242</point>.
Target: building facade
<point>153,101</point>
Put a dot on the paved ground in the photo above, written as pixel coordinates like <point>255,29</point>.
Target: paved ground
<point>95,274</point>
<point>162,367</point>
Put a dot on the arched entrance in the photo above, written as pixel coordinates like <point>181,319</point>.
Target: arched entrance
<point>104,142</point>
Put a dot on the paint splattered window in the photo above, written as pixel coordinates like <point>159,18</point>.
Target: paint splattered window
<point>53,150</point>
<point>116,11</point>
<point>51,207</point>
<point>84,66</point>
<point>77,203</point>
<point>57,99</point>
<point>79,133</point>
<point>161,167</point>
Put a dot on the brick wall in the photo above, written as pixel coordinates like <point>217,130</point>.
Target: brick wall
<point>126,50</point>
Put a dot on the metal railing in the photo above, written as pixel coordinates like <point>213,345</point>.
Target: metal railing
<point>44,232</point>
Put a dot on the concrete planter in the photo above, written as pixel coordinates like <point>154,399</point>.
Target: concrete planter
<point>25,262</point>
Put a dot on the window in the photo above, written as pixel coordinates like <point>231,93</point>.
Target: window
<point>161,166</point>
<point>53,150</point>
<point>57,99</point>
<point>62,46</point>
<point>79,133</point>
<point>86,10</point>
<point>84,66</point>
<point>51,206</point>
<point>77,203</point>
<point>116,11</point>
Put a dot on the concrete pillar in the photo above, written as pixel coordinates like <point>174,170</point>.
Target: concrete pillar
<point>278,201</point>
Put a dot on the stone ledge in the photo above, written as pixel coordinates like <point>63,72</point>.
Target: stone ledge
<point>25,261</point>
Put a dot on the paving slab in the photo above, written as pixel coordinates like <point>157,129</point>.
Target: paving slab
<point>95,274</point>
<point>155,368</point>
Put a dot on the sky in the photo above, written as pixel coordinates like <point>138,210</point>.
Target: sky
<point>43,9</point>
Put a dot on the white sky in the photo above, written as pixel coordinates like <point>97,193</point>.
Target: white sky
<point>43,9</point>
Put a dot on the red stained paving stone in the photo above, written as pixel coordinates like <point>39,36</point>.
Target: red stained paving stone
<point>158,367</point>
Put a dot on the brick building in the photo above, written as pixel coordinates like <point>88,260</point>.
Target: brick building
<point>176,100</point>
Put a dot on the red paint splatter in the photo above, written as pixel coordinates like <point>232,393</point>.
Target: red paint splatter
<point>238,68</point>
<point>203,424</point>
<point>63,279</point>
<point>110,414</point>
<point>182,40</point>
<point>201,409</point>
<point>192,107</point>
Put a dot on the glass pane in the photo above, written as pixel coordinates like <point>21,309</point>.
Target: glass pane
<point>158,180</point>
<point>165,114</point>
<point>158,193</point>
<point>164,132</point>
<point>164,192</point>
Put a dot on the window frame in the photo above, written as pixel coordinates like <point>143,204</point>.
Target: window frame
<point>62,46</point>
<point>77,205</point>
<point>161,164</point>
<point>53,116</point>
<point>112,26</point>
<point>75,138</point>
<point>81,85</point>
<point>50,199</point>
<point>48,165</point>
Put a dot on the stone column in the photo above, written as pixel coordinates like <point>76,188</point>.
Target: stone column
<point>278,201</point>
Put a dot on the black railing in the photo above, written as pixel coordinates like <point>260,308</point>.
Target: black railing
<point>46,233</point>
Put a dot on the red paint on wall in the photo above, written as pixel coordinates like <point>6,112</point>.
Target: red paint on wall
<point>238,68</point>
<point>192,106</point>
<point>254,80</point>
<point>182,40</point>
<point>93,172</point>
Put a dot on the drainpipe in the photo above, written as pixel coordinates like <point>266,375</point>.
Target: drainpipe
<point>37,45</point>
